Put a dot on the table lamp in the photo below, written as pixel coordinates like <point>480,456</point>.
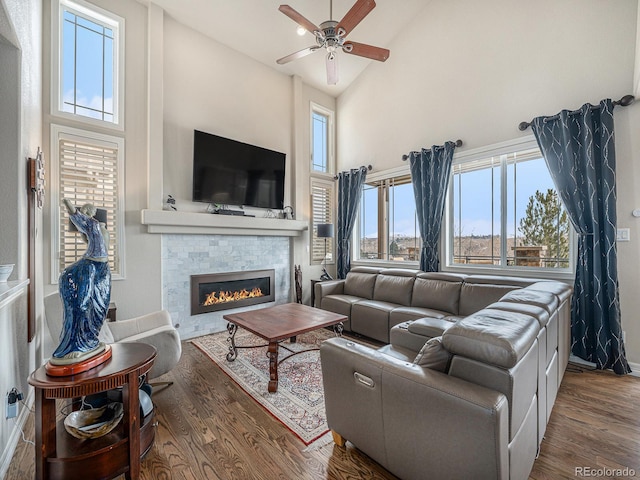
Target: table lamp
<point>325,230</point>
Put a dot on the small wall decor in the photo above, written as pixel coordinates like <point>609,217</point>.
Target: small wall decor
<point>170,203</point>
<point>36,177</point>
<point>35,188</point>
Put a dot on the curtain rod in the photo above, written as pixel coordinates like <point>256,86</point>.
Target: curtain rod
<point>623,102</point>
<point>458,143</point>
<point>368,167</point>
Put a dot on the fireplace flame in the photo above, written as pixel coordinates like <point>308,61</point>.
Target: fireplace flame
<point>215,298</point>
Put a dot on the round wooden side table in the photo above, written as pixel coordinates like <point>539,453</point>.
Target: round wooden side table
<point>62,456</point>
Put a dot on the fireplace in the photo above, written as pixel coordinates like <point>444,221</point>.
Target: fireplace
<point>221,291</point>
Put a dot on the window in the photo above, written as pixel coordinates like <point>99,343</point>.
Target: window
<point>322,181</point>
<point>504,212</point>
<point>388,227</point>
<point>321,139</point>
<point>87,66</point>
<point>86,168</point>
<point>322,205</point>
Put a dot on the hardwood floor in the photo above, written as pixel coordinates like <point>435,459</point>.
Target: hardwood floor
<point>209,429</point>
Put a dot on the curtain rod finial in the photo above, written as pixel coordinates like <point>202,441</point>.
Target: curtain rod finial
<point>626,100</point>
<point>523,126</point>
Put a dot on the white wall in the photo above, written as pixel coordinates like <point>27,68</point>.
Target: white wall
<point>20,137</point>
<point>475,70</point>
<point>140,292</point>
<point>212,88</point>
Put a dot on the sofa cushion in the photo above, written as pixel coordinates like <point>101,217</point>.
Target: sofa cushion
<point>436,294</point>
<point>394,289</point>
<point>360,284</point>
<point>537,312</point>
<point>429,327</point>
<point>433,355</point>
<point>497,337</point>
<point>546,300</point>
<point>402,314</point>
<point>340,304</point>
<point>476,296</point>
<point>560,290</point>
<point>371,318</point>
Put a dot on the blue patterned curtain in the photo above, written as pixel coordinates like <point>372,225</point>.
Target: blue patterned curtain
<point>580,153</point>
<point>349,192</point>
<point>430,172</point>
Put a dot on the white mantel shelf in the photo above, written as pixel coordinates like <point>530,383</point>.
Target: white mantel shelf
<point>163,221</point>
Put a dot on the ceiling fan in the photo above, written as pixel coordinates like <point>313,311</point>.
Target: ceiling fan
<point>331,36</point>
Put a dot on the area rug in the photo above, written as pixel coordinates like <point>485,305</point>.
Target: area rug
<point>299,401</point>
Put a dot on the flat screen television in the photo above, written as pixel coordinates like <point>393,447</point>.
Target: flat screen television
<point>229,172</point>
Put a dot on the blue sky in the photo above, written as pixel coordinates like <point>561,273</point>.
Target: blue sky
<point>85,67</point>
<point>476,200</point>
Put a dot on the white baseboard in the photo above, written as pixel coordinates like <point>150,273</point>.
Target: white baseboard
<point>635,367</point>
<point>16,434</point>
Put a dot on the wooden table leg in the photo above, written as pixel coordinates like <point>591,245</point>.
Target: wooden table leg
<point>273,366</point>
<point>45,421</point>
<point>131,418</point>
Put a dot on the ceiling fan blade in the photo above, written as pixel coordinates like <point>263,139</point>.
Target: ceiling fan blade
<point>298,18</point>
<point>364,50</point>
<point>332,69</point>
<point>299,54</point>
<point>354,16</point>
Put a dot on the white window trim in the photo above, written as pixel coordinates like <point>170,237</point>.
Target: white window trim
<point>108,19</point>
<point>331,184</point>
<point>400,171</point>
<point>57,132</point>
<point>497,149</point>
<point>331,160</point>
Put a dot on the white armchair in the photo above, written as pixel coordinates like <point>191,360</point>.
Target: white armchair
<point>154,329</point>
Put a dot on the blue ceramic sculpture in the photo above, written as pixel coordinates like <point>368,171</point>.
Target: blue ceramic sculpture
<point>85,289</point>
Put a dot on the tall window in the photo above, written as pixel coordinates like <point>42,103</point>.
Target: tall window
<point>321,139</point>
<point>87,62</point>
<point>86,169</point>
<point>322,181</point>
<point>387,221</point>
<point>322,207</point>
<point>505,212</point>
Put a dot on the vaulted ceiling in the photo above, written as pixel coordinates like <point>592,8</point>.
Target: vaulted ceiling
<point>257,29</point>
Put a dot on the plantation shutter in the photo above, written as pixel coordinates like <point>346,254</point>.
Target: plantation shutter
<point>88,173</point>
<point>322,212</point>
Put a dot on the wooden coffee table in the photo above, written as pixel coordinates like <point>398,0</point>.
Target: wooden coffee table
<point>276,324</point>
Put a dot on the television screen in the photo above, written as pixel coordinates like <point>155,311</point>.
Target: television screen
<point>229,172</point>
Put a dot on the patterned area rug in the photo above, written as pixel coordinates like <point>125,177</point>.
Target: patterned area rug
<point>299,401</point>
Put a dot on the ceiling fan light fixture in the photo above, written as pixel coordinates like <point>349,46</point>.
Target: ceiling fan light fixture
<point>330,35</point>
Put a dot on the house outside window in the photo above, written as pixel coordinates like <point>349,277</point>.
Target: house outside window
<point>504,212</point>
<point>87,63</point>
<point>387,228</point>
<point>323,186</point>
<point>86,168</point>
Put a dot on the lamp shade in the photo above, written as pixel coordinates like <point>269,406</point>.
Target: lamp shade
<point>325,230</point>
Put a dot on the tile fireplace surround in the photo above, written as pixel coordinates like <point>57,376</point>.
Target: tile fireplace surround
<point>184,255</point>
<point>199,243</point>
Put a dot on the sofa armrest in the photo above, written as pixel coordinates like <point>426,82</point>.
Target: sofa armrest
<point>331,287</point>
<point>412,419</point>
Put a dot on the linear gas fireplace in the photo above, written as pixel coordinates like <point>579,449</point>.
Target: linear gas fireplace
<point>220,291</point>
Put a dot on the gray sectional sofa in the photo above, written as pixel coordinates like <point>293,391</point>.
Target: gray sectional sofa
<point>465,384</point>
